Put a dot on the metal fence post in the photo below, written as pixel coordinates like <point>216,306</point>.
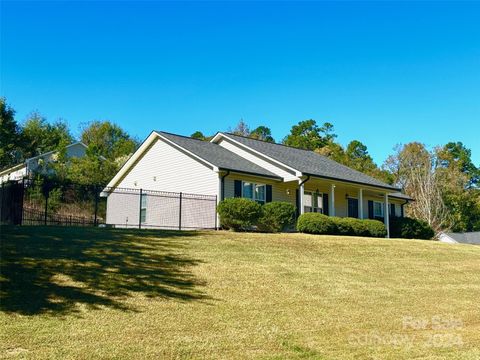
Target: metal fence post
<point>2,201</point>
<point>180,214</point>
<point>23,200</point>
<point>216,225</point>
<point>140,211</point>
<point>96,205</point>
<point>47,194</point>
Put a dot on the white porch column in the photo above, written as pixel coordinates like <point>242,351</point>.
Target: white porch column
<point>331,211</point>
<point>301,201</point>
<point>386,216</point>
<point>360,204</point>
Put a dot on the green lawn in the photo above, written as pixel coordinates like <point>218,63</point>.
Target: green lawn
<point>99,293</point>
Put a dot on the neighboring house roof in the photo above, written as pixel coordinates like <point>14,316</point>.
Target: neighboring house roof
<point>12,169</point>
<point>463,238</point>
<point>54,151</point>
<point>309,162</point>
<point>218,156</point>
<point>19,166</point>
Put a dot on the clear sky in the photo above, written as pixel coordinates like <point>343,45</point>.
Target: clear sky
<point>381,72</point>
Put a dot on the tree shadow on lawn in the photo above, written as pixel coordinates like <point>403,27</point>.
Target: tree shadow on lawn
<point>52,269</point>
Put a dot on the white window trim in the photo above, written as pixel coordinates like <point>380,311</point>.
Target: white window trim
<point>381,207</point>
<point>143,207</point>
<point>254,186</point>
<point>320,207</point>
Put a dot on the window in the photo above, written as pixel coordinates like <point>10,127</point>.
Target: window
<point>378,209</point>
<point>313,202</point>
<point>143,208</point>
<point>254,191</point>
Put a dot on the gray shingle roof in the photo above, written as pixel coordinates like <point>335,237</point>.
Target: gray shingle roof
<point>399,195</point>
<point>466,238</point>
<point>218,156</point>
<point>309,162</point>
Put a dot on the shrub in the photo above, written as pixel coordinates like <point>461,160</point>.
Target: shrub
<point>315,223</point>
<point>238,213</point>
<point>375,228</point>
<point>276,216</point>
<point>409,228</point>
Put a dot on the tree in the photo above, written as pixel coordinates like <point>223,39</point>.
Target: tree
<point>262,133</point>
<point>415,170</point>
<point>92,169</point>
<point>11,140</point>
<point>333,151</point>
<point>198,135</point>
<point>455,156</point>
<point>460,179</point>
<point>41,136</point>
<point>308,135</point>
<point>107,139</point>
<point>242,129</point>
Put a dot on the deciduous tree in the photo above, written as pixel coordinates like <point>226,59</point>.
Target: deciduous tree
<point>11,140</point>
<point>41,136</point>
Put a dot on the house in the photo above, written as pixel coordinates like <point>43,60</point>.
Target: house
<point>38,163</point>
<point>460,238</point>
<point>236,166</point>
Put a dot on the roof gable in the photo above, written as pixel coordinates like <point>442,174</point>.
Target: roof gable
<point>217,155</point>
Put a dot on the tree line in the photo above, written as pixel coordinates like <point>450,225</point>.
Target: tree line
<point>108,146</point>
<point>443,181</point>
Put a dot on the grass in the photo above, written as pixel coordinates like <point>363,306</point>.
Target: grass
<point>99,293</point>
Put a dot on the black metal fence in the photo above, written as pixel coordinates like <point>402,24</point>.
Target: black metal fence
<point>41,202</point>
<point>141,208</point>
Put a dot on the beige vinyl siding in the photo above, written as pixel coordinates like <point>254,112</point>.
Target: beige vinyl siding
<point>340,200</point>
<point>123,210</point>
<point>280,191</point>
<point>282,172</point>
<point>166,168</point>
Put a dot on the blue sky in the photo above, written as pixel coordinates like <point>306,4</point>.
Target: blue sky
<point>382,72</point>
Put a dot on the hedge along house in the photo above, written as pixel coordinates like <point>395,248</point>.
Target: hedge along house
<point>235,166</point>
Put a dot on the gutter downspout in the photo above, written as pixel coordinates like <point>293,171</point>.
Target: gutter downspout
<point>405,203</point>
<point>222,180</point>
<point>304,181</point>
<point>300,195</point>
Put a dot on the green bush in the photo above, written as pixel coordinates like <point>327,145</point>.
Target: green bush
<point>239,214</point>
<point>313,223</point>
<point>375,228</point>
<point>276,216</point>
<point>408,228</point>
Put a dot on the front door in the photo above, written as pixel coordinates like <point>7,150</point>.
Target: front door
<point>352,208</point>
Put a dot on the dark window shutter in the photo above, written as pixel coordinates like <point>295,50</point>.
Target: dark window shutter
<point>402,214</point>
<point>268,194</point>
<point>392,210</point>
<point>370,209</point>
<point>297,201</point>
<point>325,204</point>
<point>238,188</point>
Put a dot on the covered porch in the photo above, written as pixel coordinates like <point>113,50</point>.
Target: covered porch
<point>343,199</point>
